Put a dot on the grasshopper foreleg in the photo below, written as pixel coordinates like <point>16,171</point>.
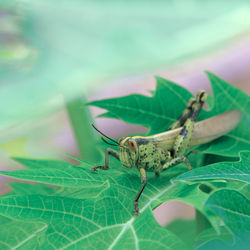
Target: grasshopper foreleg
<point>144,182</point>
<point>108,152</point>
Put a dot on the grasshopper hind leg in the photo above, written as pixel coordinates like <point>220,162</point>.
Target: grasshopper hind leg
<point>185,114</point>
<point>183,139</point>
<point>200,98</point>
<point>179,159</point>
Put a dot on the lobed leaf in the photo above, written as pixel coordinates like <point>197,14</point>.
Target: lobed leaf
<point>168,102</point>
<point>95,210</point>
<point>19,188</point>
<point>22,235</point>
<point>55,172</point>
<point>155,112</point>
<point>228,97</point>
<point>239,171</point>
<point>233,208</point>
<point>185,229</point>
<point>210,234</point>
<point>105,220</point>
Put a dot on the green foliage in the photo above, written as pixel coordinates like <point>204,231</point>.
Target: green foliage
<point>185,229</point>
<point>81,123</point>
<point>84,210</point>
<point>157,112</point>
<point>211,234</point>
<point>236,215</point>
<point>239,171</point>
<point>234,209</point>
<point>25,235</point>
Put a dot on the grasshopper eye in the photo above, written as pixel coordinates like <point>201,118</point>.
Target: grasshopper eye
<point>132,145</point>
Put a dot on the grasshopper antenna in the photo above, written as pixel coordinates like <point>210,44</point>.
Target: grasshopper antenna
<point>108,142</point>
<point>112,143</point>
<point>105,136</point>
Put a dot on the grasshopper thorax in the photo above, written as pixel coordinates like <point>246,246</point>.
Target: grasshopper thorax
<point>128,152</point>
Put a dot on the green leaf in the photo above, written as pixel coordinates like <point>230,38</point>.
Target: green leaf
<point>81,120</point>
<point>185,229</point>
<point>228,97</point>
<point>233,208</point>
<point>22,235</point>
<point>210,234</point>
<point>74,222</point>
<point>168,102</point>
<point>25,188</point>
<point>155,112</point>
<point>106,218</point>
<point>223,245</point>
<point>56,172</point>
<point>239,171</point>
<point>95,210</point>
<point>34,163</point>
<point>74,181</point>
<point>4,219</point>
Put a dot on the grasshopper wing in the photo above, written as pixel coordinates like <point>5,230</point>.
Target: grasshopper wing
<point>204,131</point>
<point>214,127</point>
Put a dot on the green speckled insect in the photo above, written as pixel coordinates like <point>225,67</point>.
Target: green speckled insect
<point>161,151</point>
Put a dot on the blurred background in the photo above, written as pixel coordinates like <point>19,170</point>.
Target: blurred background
<point>57,55</point>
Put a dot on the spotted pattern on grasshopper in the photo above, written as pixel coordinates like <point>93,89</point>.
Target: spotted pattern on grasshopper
<point>159,152</point>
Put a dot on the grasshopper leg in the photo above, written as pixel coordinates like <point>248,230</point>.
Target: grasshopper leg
<point>173,162</point>
<point>183,139</point>
<point>200,97</point>
<point>176,161</point>
<point>144,182</point>
<point>185,114</point>
<point>187,161</point>
<point>108,152</point>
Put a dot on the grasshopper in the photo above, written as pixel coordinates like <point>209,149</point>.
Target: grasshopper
<point>159,152</point>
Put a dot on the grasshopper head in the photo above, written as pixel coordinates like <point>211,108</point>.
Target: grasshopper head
<point>128,152</point>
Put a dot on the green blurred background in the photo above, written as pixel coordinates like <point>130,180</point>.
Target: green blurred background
<point>54,52</point>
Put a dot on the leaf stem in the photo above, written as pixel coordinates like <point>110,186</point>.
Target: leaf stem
<point>81,121</point>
